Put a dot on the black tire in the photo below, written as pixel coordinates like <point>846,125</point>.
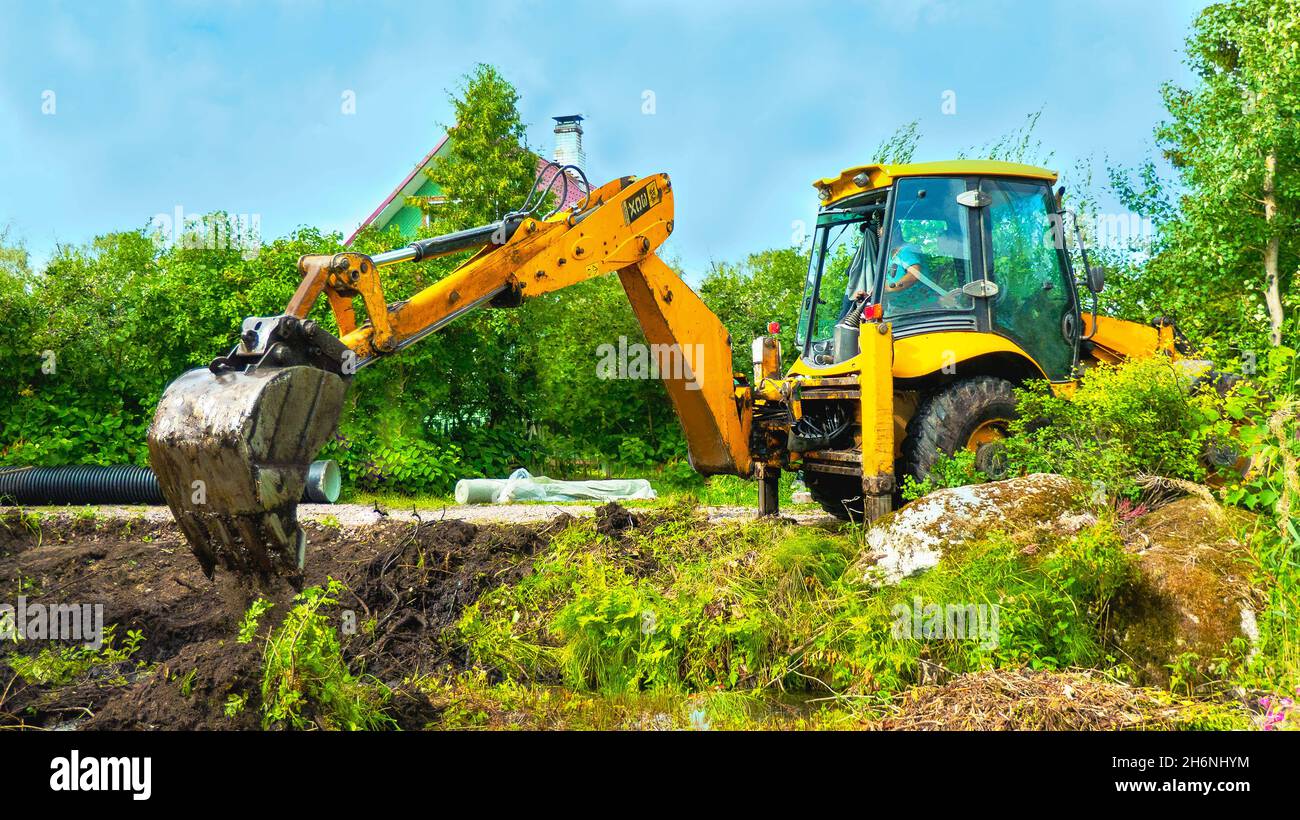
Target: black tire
<point>839,495</point>
<point>946,419</point>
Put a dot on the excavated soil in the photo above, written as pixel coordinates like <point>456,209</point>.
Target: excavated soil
<point>408,581</point>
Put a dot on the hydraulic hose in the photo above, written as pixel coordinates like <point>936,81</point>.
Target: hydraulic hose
<point>124,484</point>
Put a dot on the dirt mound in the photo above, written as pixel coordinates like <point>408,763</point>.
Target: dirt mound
<point>413,590</point>
<point>409,581</point>
<point>613,519</point>
<point>188,691</point>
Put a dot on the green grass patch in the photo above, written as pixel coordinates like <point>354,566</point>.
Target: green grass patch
<point>756,606</point>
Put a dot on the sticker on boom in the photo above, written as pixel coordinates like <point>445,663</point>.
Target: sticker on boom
<point>634,207</point>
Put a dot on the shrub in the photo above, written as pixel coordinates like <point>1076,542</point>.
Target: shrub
<point>1140,417</point>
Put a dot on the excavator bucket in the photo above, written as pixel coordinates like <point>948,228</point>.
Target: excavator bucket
<point>231,451</point>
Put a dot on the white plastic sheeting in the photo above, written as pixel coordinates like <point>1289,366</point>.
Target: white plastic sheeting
<point>521,486</point>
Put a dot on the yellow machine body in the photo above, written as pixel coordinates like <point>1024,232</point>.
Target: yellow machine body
<point>245,429</point>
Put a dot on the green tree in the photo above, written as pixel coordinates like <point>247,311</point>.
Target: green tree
<point>766,287</point>
<point>488,170</point>
<point>1233,141</point>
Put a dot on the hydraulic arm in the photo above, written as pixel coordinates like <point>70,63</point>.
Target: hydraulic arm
<point>231,443</point>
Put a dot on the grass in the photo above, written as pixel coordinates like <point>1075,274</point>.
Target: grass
<point>776,608</point>
<point>774,622</point>
<point>1015,699</point>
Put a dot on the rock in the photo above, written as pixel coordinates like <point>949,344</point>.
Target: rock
<point>1192,595</point>
<point>915,537</point>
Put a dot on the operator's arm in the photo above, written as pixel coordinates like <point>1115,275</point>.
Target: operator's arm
<point>909,278</point>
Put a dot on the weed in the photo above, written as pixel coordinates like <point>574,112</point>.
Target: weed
<point>956,470</point>
<point>305,680</point>
<point>248,624</point>
<point>62,665</point>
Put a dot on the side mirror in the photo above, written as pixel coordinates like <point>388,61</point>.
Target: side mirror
<point>1096,279</point>
<point>1060,199</point>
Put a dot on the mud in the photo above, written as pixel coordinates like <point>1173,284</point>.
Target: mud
<point>407,582</point>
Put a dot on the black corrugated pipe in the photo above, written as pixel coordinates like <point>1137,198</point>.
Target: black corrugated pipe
<point>82,484</point>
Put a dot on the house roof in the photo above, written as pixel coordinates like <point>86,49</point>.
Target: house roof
<point>395,201</point>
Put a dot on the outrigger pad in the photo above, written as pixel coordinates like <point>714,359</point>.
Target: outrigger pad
<point>231,453</point>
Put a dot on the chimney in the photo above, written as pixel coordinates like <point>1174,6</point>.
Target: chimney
<point>568,141</point>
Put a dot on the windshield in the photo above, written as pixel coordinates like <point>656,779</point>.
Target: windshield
<point>843,264</point>
<point>929,248</point>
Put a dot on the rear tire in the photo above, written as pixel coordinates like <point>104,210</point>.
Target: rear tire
<point>839,495</point>
<point>955,417</point>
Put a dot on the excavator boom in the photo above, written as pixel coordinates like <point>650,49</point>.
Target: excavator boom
<point>231,443</point>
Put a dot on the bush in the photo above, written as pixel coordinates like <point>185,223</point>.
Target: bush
<point>1140,417</point>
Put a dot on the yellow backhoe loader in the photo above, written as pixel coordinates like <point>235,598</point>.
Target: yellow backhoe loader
<point>933,290</point>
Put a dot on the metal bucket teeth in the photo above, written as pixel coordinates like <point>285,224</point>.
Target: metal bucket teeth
<point>231,453</point>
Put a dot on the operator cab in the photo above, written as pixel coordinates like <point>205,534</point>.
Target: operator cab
<point>938,247</point>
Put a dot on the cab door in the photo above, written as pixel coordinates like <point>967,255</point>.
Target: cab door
<point>1035,304</point>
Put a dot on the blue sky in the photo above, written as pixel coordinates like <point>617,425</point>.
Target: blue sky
<point>238,106</point>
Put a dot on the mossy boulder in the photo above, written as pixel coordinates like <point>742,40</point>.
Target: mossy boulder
<point>1185,607</point>
<point>917,536</point>
<point>1192,603</point>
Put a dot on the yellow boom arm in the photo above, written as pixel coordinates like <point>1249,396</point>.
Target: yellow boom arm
<point>231,443</point>
<point>617,228</point>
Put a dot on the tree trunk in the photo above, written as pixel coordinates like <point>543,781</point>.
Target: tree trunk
<point>1272,292</point>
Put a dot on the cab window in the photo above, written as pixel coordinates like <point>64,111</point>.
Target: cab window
<point>928,260</point>
<point>1034,292</point>
<point>842,265</point>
